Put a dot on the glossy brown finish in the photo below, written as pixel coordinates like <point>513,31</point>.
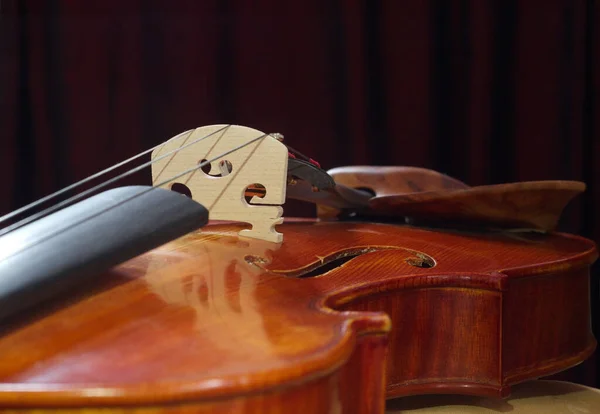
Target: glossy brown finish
<point>319,396</point>
<point>535,205</point>
<point>426,195</point>
<point>216,323</point>
<point>392,180</point>
<point>378,182</point>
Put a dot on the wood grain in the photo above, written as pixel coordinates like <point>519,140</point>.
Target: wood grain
<point>237,158</point>
<point>429,197</point>
<point>394,180</point>
<point>533,205</point>
<point>217,323</point>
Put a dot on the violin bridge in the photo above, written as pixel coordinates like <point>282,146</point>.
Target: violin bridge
<point>231,168</point>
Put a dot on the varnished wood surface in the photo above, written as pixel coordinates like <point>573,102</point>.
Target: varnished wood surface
<point>384,181</point>
<point>393,180</point>
<point>534,205</point>
<point>431,197</point>
<point>238,325</point>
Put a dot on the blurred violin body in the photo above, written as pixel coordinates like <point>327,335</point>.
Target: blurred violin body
<point>335,319</point>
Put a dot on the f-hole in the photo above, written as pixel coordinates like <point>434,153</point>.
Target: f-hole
<point>181,189</point>
<point>225,168</point>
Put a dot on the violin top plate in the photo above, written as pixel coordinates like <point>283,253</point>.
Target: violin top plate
<point>214,314</point>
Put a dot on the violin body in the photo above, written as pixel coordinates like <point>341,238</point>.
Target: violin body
<point>141,312</point>
<point>334,320</point>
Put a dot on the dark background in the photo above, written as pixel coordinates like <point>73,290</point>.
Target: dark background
<point>485,91</point>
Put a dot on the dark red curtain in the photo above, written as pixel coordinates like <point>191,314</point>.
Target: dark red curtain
<point>486,91</point>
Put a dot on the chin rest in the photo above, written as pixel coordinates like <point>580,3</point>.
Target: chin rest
<point>547,397</point>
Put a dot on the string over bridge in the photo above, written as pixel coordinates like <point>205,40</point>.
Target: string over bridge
<point>221,187</point>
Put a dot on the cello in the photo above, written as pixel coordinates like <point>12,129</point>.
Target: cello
<point>408,282</point>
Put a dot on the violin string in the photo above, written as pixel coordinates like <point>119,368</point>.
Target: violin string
<point>202,164</point>
<point>85,180</point>
<point>188,171</point>
<point>299,154</point>
<point>182,144</point>
<point>81,195</point>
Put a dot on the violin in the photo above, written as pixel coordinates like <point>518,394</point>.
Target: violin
<point>407,282</point>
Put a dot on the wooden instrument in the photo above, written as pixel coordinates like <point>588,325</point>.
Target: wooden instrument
<point>254,313</point>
